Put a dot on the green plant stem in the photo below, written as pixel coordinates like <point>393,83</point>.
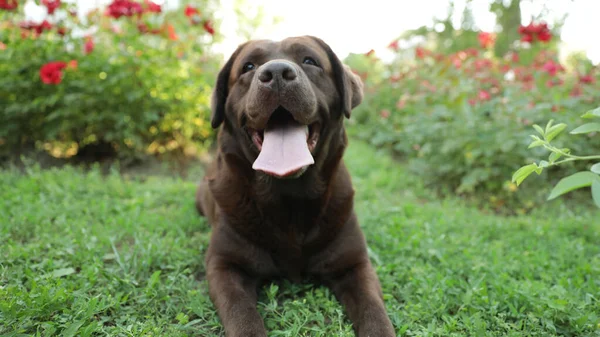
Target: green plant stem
<point>570,156</point>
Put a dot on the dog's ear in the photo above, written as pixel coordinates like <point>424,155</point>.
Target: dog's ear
<point>348,84</point>
<point>221,91</point>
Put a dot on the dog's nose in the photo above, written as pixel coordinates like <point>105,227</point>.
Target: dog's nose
<point>277,71</point>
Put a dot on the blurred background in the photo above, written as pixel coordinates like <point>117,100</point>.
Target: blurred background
<point>452,87</point>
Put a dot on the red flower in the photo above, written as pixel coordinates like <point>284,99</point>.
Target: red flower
<point>142,27</point>
<point>481,64</point>
<point>209,27</point>
<point>552,68</point>
<point>51,73</point>
<point>89,45</point>
<point>385,113</point>
<point>421,52</point>
<point>543,33</point>
<point>172,35</point>
<point>394,45</point>
<point>152,7</point>
<point>191,11</point>
<point>72,64</point>
<point>587,79</point>
<point>533,32</point>
<point>119,8</point>
<point>51,5</point>
<point>484,95</point>
<point>61,31</point>
<point>456,62</point>
<point>38,28</point>
<point>527,38</point>
<point>9,5</point>
<point>45,25</point>
<point>471,52</point>
<point>576,92</point>
<point>486,40</point>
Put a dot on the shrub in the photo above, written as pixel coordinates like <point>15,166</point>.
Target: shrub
<point>462,120</point>
<point>130,75</point>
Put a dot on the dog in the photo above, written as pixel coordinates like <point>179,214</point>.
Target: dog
<point>278,195</point>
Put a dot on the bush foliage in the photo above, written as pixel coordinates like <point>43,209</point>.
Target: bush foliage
<point>130,75</point>
<point>463,119</point>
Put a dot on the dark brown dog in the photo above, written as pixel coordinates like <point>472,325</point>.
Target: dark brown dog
<point>278,195</point>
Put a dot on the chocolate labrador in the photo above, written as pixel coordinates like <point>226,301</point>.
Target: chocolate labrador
<point>278,195</point>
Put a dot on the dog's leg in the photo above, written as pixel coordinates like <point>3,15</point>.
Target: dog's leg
<point>360,292</point>
<point>234,294</point>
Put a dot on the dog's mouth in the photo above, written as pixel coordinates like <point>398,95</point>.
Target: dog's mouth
<point>285,145</point>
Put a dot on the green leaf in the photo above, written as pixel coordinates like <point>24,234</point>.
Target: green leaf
<point>154,279</point>
<point>543,164</point>
<point>555,131</point>
<point>538,129</point>
<point>523,173</point>
<point>72,329</point>
<point>536,144</point>
<point>586,128</point>
<point>554,156</point>
<point>572,182</point>
<point>596,192</point>
<point>594,113</point>
<point>595,168</point>
<point>62,272</point>
<point>549,125</point>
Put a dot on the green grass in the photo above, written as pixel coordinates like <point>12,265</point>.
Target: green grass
<point>83,254</point>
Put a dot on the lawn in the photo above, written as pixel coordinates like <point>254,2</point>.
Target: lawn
<point>83,254</point>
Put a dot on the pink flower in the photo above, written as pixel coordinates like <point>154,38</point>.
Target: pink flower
<point>587,79</point>
<point>421,52</point>
<point>551,67</point>
<point>152,7</point>
<point>394,45</point>
<point>89,45</point>
<point>119,8</point>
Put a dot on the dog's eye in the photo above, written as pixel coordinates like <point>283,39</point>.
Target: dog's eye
<point>311,61</point>
<point>247,67</point>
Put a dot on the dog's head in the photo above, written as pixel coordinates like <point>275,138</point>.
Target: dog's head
<point>284,103</point>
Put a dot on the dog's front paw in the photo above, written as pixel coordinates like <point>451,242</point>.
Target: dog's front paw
<point>377,328</point>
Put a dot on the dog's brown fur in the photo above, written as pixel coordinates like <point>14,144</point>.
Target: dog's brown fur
<point>264,227</point>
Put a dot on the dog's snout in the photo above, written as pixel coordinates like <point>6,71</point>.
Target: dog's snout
<point>279,71</point>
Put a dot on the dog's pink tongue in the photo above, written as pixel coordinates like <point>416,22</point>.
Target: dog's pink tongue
<point>284,150</point>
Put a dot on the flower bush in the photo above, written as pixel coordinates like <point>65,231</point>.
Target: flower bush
<point>131,76</point>
<point>462,119</point>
